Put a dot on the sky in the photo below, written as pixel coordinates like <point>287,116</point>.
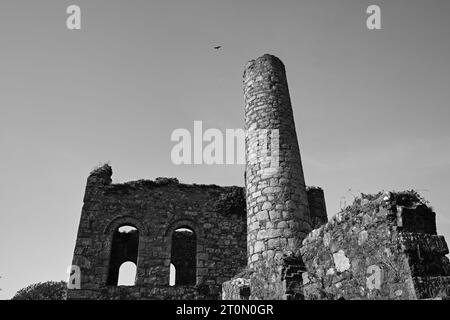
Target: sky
<point>371,106</point>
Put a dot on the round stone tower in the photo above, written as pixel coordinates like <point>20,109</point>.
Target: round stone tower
<point>277,202</point>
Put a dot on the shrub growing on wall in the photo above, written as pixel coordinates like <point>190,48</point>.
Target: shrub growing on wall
<point>50,290</point>
<point>232,202</point>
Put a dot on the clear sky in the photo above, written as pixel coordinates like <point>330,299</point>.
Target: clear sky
<point>371,107</point>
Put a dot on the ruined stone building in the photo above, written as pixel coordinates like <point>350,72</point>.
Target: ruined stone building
<point>268,240</point>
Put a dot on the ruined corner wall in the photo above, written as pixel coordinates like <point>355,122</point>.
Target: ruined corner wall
<point>376,249</point>
<point>156,209</point>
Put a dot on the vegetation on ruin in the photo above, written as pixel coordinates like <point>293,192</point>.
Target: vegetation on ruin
<point>102,166</point>
<point>409,198</point>
<point>367,202</point>
<point>232,202</point>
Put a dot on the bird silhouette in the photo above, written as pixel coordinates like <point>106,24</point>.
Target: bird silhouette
<point>217,47</point>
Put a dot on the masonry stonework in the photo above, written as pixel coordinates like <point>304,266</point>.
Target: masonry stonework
<point>380,247</point>
<point>156,209</point>
<point>270,239</point>
<point>277,202</point>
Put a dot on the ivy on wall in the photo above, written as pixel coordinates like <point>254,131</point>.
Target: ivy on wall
<point>232,202</point>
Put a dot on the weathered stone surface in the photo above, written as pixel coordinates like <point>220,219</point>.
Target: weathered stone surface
<point>341,262</point>
<point>268,111</point>
<point>374,255</point>
<point>156,209</point>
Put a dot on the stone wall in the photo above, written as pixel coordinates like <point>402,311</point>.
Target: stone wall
<point>144,292</point>
<point>156,209</point>
<point>382,247</point>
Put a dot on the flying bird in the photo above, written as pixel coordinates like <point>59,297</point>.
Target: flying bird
<point>217,47</point>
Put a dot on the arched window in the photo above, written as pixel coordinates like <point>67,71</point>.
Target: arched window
<point>183,257</point>
<point>124,250</point>
<point>127,274</point>
<point>172,275</point>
